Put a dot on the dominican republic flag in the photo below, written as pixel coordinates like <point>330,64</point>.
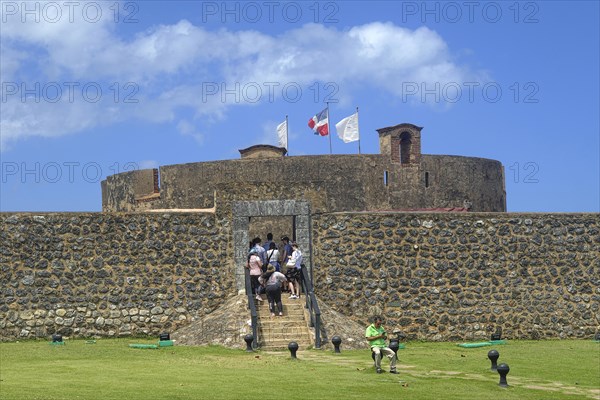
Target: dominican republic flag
<point>320,123</point>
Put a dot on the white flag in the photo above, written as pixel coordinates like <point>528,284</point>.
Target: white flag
<point>282,134</point>
<point>347,129</point>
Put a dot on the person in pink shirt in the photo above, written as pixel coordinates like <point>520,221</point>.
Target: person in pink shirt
<point>254,264</point>
<point>273,282</point>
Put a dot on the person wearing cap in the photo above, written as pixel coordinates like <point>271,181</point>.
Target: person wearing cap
<point>273,281</point>
<point>254,264</point>
<point>294,267</point>
<point>376,336</point>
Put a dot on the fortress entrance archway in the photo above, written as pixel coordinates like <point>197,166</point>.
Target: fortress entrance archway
<point>244,210</point>
<point>277,225</point>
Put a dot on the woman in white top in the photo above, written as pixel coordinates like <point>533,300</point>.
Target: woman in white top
<point>273,256</point>
<point>294,268</point>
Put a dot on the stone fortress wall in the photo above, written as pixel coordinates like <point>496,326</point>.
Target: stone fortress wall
<point>456,276</point>
<point>144,265</point>
<point>399,178</point>
<point>435,276</point>
<point>88,274</point>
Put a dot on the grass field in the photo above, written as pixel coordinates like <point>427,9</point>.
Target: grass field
<point>109,369</point>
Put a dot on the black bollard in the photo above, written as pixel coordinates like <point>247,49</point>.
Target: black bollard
<point>293,348</point>
<point>493,356</point>
<point>503,371</point>
<point>249,339</point>
<point>394,345</point>
<point>336,340</point>
<point>57,338</point>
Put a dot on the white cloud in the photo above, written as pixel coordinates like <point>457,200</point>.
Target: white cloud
<point>147,164</point>
<point>27,119</point>
<point>186,128</point>
<point>170,65</point>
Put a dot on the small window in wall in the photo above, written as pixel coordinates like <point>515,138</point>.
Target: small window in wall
<point>426,179</point>
<point>385,178</point>
<point>156,177</point>
<point>405,147</point>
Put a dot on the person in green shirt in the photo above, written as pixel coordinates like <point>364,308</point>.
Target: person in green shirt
<point>376,337</point>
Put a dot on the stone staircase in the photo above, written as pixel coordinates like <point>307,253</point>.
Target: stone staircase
<point>275,333</point>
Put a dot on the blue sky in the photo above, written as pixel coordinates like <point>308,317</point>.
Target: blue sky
<point>94,88</point>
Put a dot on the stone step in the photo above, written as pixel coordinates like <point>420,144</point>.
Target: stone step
<point>284,299</point>
<point>285,307</point>
<point>283,327</point>
<point>283,345</point>
<point>291,303</point>
<point>287,316</point>
<point>275,333</point>
<point>283,330</point>
<point>286,310</point>
<point>286,320</point>
<point>285,302</point>
<point>272,329</point>
<point>282,324</point>
<point>291,308</point>
<point>290,314</point>
<point>285,340</point>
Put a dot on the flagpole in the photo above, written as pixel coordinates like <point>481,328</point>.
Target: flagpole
<point>328,126</point>
<point>287,137</point>
<point>357,126</point>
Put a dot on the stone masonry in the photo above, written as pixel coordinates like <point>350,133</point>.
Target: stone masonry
<point>435,276</point>
<point>451,276</point>
<point>110,274</point>
<point>399,178</point>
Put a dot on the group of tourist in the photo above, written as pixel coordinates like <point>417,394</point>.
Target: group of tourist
<point>265,261</point>
<point>274,269</point>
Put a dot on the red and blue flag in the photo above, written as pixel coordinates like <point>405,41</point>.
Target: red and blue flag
<point>320,123</point>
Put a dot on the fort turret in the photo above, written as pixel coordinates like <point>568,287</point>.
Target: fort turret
<point>400,177</point>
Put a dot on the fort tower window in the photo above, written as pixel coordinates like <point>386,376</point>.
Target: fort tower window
<point>405,147</point>
<point>402,143</point>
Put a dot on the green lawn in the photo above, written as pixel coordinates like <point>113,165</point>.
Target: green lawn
<point>110,369</point>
